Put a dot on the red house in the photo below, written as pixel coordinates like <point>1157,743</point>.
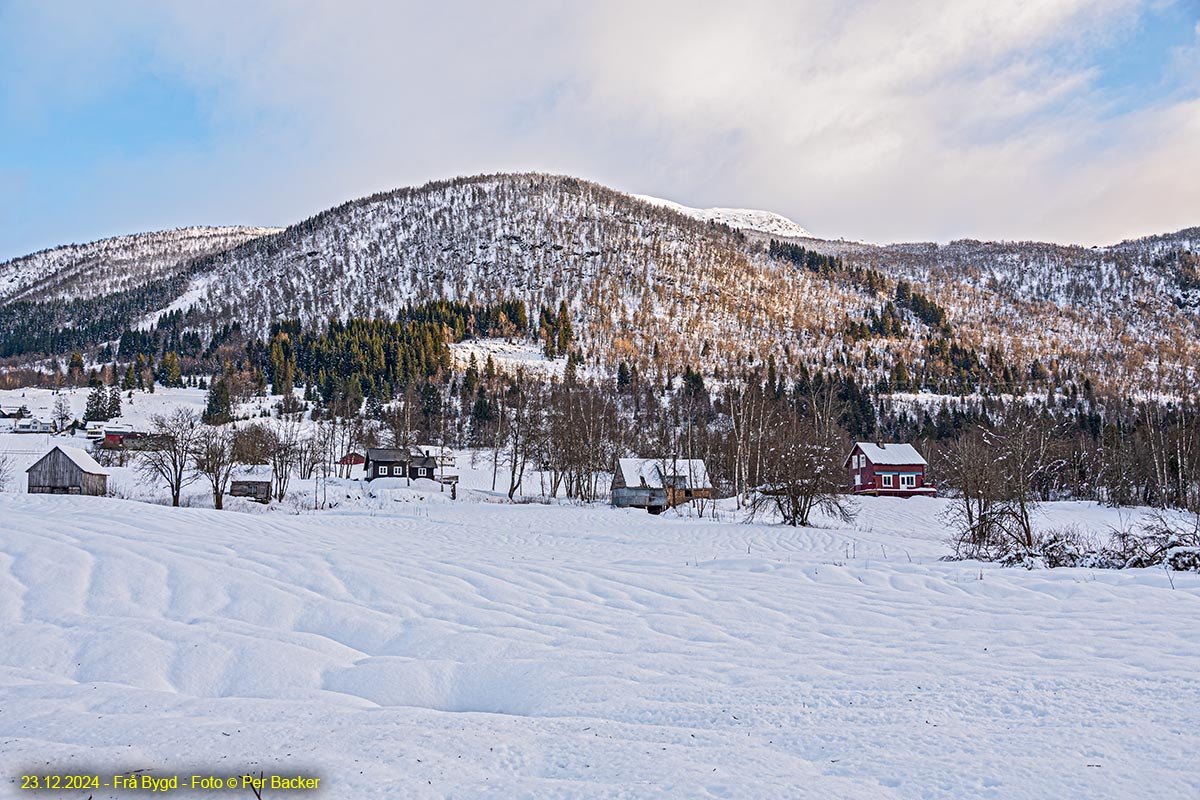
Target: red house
<point>887,469</point>
<point>352,459</point>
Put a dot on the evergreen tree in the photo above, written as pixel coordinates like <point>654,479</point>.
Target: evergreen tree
<point>624,378</point>
<point>169,370</point>
<point>130,380</point>
<point>114,402</point>
<point>565,334</point>
<point>218,409</point>
<point>97,405</point>
<point>470,380</point>
<point>75,370</point>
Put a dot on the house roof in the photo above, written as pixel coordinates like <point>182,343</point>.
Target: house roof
<point>252,472</point>
<point>80,458</point>
<point>388,454</point>
<point>889,453</point>
<point>649,472</point>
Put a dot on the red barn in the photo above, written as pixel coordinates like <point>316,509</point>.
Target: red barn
<point>887,469</point>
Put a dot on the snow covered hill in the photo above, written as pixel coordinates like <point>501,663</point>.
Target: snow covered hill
<point>113,264</point>
<point>767,222</point>
<point>459,650</point>
<point>647,281</point>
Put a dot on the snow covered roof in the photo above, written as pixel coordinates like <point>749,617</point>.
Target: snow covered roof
<point>81,458</point>
<point>388,454</point>
<point>252,472</point>
<point>649,472</point>
<point>889,453</point>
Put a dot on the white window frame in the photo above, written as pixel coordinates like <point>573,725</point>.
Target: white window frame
<point>857,479</point>
<point>885,481</point>
<point>908,481</point>
<point>383,470</point>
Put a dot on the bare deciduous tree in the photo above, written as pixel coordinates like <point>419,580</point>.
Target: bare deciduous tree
<point>170,460</point>
<point>802,461</point>
<point>213,458</point>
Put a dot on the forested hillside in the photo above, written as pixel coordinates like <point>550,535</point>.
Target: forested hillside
<point>646,286</point>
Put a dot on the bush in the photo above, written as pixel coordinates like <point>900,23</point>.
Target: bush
<point>1160,542</point>
<point>1066,547</point>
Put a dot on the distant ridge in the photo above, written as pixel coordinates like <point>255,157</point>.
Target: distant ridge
<point>745,218</point>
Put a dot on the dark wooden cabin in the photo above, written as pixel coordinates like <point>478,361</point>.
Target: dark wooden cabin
<point>67,470</point>
<point>400,462</point>
<point>252,483</point>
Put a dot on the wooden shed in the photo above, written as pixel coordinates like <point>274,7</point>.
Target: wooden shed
<point>252,483</point>
<point>67,470</point>
<point>657,484</point>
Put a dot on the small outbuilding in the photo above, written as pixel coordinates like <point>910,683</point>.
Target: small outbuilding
<point>252,483</point>
<point>67,470</point>
<point>657,484</point>
<point>443,454</point>
<point>887,469</point>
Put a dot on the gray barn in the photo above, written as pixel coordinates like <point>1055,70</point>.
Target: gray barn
<point>657,484</point>
<point>67,470</point>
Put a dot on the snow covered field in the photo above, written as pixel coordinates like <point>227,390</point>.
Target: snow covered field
<point>466,649</point>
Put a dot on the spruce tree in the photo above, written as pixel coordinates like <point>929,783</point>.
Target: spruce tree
<point>114,402</point>
<point>169,371</point>
<point>219,408</point>
<point>97,405</point>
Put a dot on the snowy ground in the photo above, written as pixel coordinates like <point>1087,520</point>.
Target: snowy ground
<point>463,649</point>
<point>506,355</point>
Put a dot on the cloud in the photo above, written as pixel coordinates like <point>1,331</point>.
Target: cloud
<point>869,119</point>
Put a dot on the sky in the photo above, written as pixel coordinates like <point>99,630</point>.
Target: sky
<point>883,120</point>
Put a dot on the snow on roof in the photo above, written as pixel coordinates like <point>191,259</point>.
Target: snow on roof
<point>81,458</point>
<point>890,453</point>
<point>649,471</point>
<point>389,454</point>
<point>252,472</point>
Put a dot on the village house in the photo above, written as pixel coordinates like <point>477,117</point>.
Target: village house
<point>32,425</point>
<point>67,470</point>
<point>352,459</point>
<point>887,469</point>
<point>401,462</point>
<point>657,484</point>
<point>131,440</point>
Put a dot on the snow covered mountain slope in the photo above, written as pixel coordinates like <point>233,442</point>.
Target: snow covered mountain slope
<point>463,650</point>
<point>767,222</point>
<point>109,265</point>
<point>652,284</point>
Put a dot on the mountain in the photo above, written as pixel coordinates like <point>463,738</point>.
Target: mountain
<point>649,283</point>
<point>81,270</point>
<point>767,222</point>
